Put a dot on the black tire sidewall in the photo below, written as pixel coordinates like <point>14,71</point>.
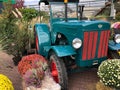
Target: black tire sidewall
<point>62,73</point>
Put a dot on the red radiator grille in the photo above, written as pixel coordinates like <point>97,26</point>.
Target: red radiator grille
<point>103,45</point>
<point>89,45</point>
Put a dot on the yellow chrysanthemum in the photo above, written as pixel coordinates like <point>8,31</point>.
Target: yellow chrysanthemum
<point>5,83</point>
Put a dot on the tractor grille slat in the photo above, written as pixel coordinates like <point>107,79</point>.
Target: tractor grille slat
<point>94,44</point>
<point>106,46</point>
<point>103,45</point>
<point>93,47</point>
<point>89,45</point>
<point>86,36</point>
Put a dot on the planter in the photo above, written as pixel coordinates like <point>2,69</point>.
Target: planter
<point>101,86</point>
<point>47,84</point>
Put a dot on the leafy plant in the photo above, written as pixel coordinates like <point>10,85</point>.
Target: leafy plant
<point>16,34</point>
<point>118,16</point>
<point>13,39</point>
<point>109,73</point>
<point>8,28</point>
<point>29,14</point>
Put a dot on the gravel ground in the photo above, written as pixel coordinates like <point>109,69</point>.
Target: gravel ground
<point>84,80</point>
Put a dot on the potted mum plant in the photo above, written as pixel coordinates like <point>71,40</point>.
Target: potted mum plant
<point>5,83</point>
<point>109,73</point>
<point>35,73</point>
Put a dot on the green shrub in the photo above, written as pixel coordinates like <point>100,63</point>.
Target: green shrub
<point>109,73</point>
<point>118,16</point>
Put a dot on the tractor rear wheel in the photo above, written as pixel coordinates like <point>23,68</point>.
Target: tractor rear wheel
<point>37,43</point>
<point>58,71</point>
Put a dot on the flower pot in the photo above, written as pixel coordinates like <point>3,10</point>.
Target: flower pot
<point>47,84</point>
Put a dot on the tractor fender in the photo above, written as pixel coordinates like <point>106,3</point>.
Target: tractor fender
<point>113,46</point>
<point>62,51</point>
<point>43,33</point>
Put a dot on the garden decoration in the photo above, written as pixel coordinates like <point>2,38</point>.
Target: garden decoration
<point>70,40</point>
<point>5,83</point>
<point>109,73</point>
<point>35,73</point>
<point>114,45</point>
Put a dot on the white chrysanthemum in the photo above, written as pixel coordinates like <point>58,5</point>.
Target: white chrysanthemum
<point>109,72</point>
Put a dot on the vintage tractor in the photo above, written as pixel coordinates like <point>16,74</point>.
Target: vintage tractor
<point>114,43</point>
<point>70,41</point>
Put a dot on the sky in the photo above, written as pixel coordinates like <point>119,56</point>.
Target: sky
<point>31,2</point>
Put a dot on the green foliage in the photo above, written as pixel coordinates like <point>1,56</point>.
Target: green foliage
<point>45,17</point>
<point>29,14</point>
<point>15,33</point>
<point>13,36</point>
<point>109,73</point>
<point>7,27</point>
<point>43,13</point>
<point>118,16</point>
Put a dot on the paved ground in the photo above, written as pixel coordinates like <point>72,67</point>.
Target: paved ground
<point>7,68</point>
<point>84,80</point>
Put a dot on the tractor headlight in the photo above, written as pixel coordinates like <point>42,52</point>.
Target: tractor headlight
<point>77,43</point>
<point>117,38</point>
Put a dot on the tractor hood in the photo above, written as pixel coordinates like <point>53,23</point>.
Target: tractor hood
<point>84,25</point>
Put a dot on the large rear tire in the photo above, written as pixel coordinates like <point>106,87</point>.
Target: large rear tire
<point>58,71</point>
<point>37,44</point>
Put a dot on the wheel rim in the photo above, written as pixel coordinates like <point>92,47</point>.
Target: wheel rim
<point>37,45</point>
<point>54,71</point>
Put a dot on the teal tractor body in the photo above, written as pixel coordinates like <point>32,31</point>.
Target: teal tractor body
<point>69,40</point>
<point>114,42</point>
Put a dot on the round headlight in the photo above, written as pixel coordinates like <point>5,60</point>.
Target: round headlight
<point>77,43</point>
<point>117,38</point>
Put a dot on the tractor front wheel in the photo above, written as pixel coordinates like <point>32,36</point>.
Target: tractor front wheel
<point>58,71</point>
<point>113,54</point>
